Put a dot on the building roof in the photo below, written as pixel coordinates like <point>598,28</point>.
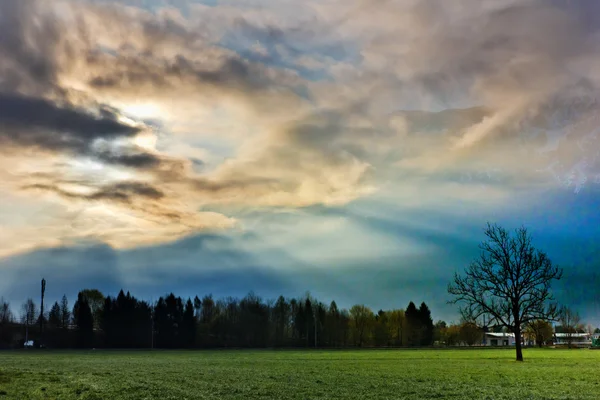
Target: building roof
<point>575,335</point>
<point>558,335</point>
<point>500,334</point>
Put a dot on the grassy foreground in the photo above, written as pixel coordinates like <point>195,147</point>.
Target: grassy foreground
<point>368,374</point>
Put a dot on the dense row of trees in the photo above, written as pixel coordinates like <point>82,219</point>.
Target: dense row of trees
<point>172,322</point>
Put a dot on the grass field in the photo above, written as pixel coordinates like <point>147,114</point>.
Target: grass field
<point>367,374</point>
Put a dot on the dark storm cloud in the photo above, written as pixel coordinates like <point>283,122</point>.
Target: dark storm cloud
<point>34,40</point>
<point>136,160</point>
<point>38,122</point>
<point>42,124</point>
<point>120,192</point>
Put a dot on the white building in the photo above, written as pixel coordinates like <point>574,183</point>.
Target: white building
<point>498,339</point>
<point>575,338</point>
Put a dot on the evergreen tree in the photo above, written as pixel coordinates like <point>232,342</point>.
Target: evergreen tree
<point>169,321</point>
<point>84,321</point>
<point>309,322</point>
<point>189,324</point>
<point>54,316</point>
<point>332,325</point>
<point>413,325</point>
<point>426,325</point>
<point>65,313</point>
<point>280,319</point>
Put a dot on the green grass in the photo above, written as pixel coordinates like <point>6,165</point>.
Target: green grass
<point>368,374</point>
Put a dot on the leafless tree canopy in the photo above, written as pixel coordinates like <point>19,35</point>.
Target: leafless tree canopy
<point>5,313</point>
<point>28,312</point>
<point>509,283</point>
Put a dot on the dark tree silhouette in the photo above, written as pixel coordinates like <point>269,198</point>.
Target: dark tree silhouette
<point>65,313</point>
<point>54,317</point>
<point>84,321</point>
<point>333,325</point>
<point>281,315</point>
<point>299,322</point>
<point>414,325</point>
<point>189,324</point>
<point>95,300</point>
<point>426,325</point>
<point>42,309</point>
<point>126,321</point>
<point>6,315</point>
<point>381,335</point>
<point>123,321</point>
<point>169,321</point>
<point>308,322</point>
<point>509,283</point>
<point>6,318</point>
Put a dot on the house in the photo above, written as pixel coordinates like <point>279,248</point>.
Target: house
<point>498,339</point>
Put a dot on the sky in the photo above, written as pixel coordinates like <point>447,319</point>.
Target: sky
<point>353,149</point>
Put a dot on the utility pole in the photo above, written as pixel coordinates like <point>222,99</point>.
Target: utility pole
<point>152,325</point>
<point>42,311</point>
<point>315,316</point>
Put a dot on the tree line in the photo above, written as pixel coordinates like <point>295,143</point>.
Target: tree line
<point>123,321</point>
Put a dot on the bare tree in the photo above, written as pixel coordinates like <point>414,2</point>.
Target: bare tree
<point>28,316</point>
<point>570,322</point>
<point>509,283</point>
<point>42,308</point>
<point>589,329</point>
<point>6,315</point>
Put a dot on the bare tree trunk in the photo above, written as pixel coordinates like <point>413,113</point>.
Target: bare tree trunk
<point>518,344</point>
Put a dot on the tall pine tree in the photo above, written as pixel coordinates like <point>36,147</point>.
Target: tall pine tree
<point>413,325</point>
<point>426,325</point>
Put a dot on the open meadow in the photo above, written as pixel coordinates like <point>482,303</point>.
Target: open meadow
<point>255,374</point>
